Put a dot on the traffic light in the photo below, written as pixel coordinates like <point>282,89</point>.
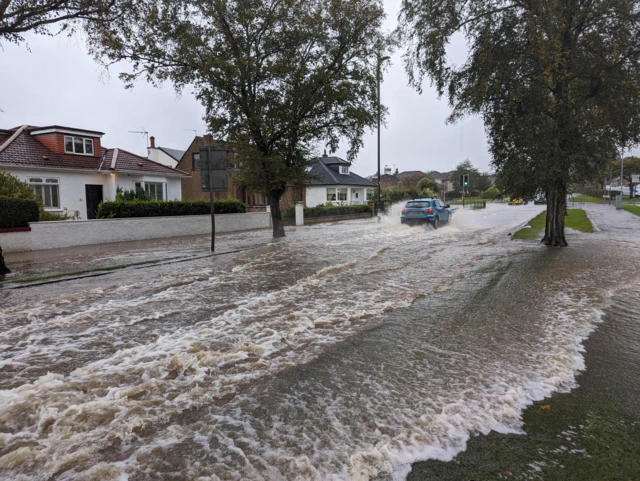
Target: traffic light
<point>464,180</point>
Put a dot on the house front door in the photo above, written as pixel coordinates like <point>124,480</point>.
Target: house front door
<point>93,194</point>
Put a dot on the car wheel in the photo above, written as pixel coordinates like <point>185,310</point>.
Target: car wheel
<point>436,222</point>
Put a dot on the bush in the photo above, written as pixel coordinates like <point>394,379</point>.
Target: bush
<point>11,186</point>
<point>324,211</point>
<point>18,212</point>
<point>491,193</point>
<point>143,208</point>
<point>54,216</point>
<point>131,194</point>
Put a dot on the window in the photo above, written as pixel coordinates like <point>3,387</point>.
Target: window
<point>196,161</point>
<point>78,145</point>
<point>47,191</point>
<point>331,194</point>
<point>369,194</point>
<point>418,205</point>
<point>154,190</point>
<point>344,170</point>
<point>342,194</point>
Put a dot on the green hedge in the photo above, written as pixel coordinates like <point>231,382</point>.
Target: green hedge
<point>18,212</point>
<point>324,211</point>
<point>142,208</point>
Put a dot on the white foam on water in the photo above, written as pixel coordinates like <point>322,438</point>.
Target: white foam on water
<point>219,348</point>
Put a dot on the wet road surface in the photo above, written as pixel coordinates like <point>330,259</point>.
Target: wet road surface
<point>344,351</point>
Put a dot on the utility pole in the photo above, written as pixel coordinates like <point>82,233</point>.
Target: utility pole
<point>379,75</point>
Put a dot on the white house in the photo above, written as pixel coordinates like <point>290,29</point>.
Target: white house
<point>332,181</point>
<point>163,155</point>
<point>69,169</point>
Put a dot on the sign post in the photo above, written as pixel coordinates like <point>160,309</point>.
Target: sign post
<point>213,177</point>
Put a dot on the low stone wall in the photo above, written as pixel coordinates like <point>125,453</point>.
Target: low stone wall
<point>51,235</point>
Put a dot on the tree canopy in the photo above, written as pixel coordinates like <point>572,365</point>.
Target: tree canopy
<point>557,84</point>
<point>276,77</point>
<point>18,17</point>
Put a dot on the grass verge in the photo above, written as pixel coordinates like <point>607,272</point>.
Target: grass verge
<point>576,219</point>
<point>634,209</point>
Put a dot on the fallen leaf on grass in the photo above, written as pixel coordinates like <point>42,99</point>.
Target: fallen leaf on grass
<point>545,406</point>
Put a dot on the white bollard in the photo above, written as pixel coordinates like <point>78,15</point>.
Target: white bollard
<point>299,214</point>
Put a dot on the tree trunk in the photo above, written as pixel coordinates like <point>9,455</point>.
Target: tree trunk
<point>276,215</point>
<point>556,211</point>
<point>3,267</point>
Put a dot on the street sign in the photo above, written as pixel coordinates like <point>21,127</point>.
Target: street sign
<point>213,169</point>
<point>635,178</point>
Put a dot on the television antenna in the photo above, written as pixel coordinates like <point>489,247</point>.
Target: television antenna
<point>195,132</point>
<point>143,132</point>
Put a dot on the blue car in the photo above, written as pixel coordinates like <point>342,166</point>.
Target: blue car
<point>420,211</point>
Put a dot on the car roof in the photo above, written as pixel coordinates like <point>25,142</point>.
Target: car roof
<point>420,200</point>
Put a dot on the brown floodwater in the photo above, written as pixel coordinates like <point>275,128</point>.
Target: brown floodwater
<point>342,352</point>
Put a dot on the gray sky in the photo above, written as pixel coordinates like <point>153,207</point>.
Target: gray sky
<point>57,82</point>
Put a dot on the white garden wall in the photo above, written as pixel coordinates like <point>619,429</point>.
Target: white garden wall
<point>52,235</point>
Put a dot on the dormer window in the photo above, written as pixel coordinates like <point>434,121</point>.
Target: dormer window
<point>78,145</point>
<point>344,169</point>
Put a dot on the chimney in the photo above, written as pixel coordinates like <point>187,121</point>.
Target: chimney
<point>152,140</point>
<point>325,153</point>
<point>397,171</point>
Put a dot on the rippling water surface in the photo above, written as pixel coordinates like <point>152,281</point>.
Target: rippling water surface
<point>343,352</point>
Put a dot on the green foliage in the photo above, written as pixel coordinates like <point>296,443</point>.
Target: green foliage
<point>427,183</point>
<point>16,212</point>
<point>131,194</point>
<point>576,219</point>
<point>275,78</point>
<point>18,17</point>
<point>491,193</point>
<point>328,210</point>
<point>141,208</point>
<point>11,186</point>
<point>46,216</point>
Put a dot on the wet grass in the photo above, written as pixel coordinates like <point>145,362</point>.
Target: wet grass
<point>586,198</point>
<point>634,209</point>
<point>576,219</point>
<point>564,440</point>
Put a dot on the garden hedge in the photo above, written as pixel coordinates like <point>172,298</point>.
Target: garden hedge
<point>142,208</point>
<point>18,212</point>
<point>324,211</point>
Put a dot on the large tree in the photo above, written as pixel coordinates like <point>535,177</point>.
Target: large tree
<point>18,17</point>
<point>557,83</point>
<point>276,77</point>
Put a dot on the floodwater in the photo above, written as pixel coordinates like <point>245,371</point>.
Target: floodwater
<point>343,352</point>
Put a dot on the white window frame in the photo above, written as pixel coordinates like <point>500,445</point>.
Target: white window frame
<point>331,191</point>
<point>344,169</point>
<point>84,140</point>
<point>157,185</point>
<point>43,182</point>
<point>342,190</point>
<point>369,194</point>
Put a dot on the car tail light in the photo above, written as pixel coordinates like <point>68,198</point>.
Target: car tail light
<point>428,211</point>
<point>404,211</point>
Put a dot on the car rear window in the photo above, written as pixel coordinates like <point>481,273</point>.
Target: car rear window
<point>418,204</point>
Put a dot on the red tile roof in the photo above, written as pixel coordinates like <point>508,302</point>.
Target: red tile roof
<point>26,151</point>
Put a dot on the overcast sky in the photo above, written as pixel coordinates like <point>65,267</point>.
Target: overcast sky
<point>57,82</point>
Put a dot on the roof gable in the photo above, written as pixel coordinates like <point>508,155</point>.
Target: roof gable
<point>323,175</point>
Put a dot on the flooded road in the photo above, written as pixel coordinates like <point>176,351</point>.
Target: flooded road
<point>343,352</point>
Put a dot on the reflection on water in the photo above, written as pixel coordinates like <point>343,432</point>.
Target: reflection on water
<point>342,352</point>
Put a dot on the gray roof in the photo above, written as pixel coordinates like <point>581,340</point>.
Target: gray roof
<point>409,173</point>
<point>175,153</point>
<point>322,173</point>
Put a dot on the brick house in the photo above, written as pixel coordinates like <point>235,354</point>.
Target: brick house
<point>191,186</point>
<point>68,168</point>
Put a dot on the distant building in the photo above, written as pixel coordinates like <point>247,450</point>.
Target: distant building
<point>163,155</point>
<point>333,181</point>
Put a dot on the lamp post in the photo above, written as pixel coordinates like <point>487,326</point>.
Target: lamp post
<point>380,59</point>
